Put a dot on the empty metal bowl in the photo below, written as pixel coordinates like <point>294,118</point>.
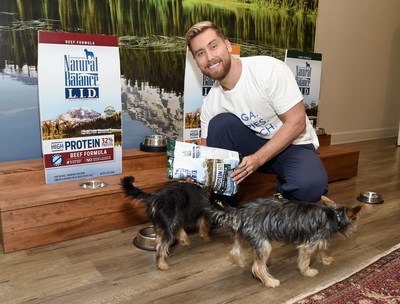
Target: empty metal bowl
<point>93,184</point>
<point>370,197</point>
<point>319,131</point>
<point>155,140</point>
<point>154,143</point>
<point>146,239</point>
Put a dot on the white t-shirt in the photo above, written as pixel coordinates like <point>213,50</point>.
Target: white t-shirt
<point>266,89</point>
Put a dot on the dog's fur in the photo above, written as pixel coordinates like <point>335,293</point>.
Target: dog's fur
<point>174,209</point>
<point>309,226</point>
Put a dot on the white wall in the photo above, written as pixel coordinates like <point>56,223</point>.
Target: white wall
<point>360,83</point>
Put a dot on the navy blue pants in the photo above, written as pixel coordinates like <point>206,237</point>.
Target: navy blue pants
<point>300,172</point>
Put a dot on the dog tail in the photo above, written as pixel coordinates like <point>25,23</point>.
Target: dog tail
<point>131,190</point>
<point>226,216</point>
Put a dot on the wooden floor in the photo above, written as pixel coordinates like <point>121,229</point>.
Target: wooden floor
<point>107,268</point>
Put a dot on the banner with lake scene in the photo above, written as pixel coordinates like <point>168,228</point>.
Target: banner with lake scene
<point>80,105</point>
<point>196,88</point>
<point>152,52</point>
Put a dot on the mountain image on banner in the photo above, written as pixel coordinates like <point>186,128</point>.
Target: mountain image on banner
<point>81,121</point>
<point>79,115</point>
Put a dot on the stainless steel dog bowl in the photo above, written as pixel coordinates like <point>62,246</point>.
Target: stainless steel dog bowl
<point>319,131</point>
<point>146,239</point>
<point>154,143</point>
<point>155,140</point>
<point>370,197</point>
<point>93,184</point>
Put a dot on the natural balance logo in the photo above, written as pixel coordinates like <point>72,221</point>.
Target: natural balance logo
<point>81,76</point>
<point>207,84</point>
<point>303,78</point>
<point>109,111</point>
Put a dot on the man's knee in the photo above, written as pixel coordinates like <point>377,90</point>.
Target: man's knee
<point>312,192</point>
<point>222,131</point>
<point>308,189</point>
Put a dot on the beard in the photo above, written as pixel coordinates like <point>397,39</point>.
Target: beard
<point>223,70</point>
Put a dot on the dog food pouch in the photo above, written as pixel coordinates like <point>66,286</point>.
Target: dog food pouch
<point>210,167</point>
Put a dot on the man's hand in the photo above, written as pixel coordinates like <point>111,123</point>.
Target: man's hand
<point>248,165</point>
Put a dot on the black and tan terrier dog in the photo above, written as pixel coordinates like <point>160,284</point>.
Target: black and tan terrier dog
<point>173,209</point>
<point>309,226</point>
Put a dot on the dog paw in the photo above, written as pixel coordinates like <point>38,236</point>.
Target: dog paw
<point>204,236</point>
<point>184,241</point>
<point>162,266</point>
<point>237,260</point>
<point>272,283</point>
<point>239,263</point>
<point>310,272</point>
<point>326,260</point>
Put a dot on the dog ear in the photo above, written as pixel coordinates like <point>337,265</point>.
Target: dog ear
<point>327,201</point>
<point>352,213</point>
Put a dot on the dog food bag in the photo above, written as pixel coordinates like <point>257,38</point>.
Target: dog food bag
<point>210,167</point>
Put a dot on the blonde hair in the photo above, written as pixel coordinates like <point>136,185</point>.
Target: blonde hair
<point>199,28</point>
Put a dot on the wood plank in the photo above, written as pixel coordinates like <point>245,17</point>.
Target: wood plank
<point>32,171</point>
<point>66,211</point>
<point>324,140</point>
<point>339,162</point>
<point>41,193</point>
<point>54,233</point>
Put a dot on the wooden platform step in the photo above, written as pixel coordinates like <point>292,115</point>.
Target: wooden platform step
<point>33,213</point>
